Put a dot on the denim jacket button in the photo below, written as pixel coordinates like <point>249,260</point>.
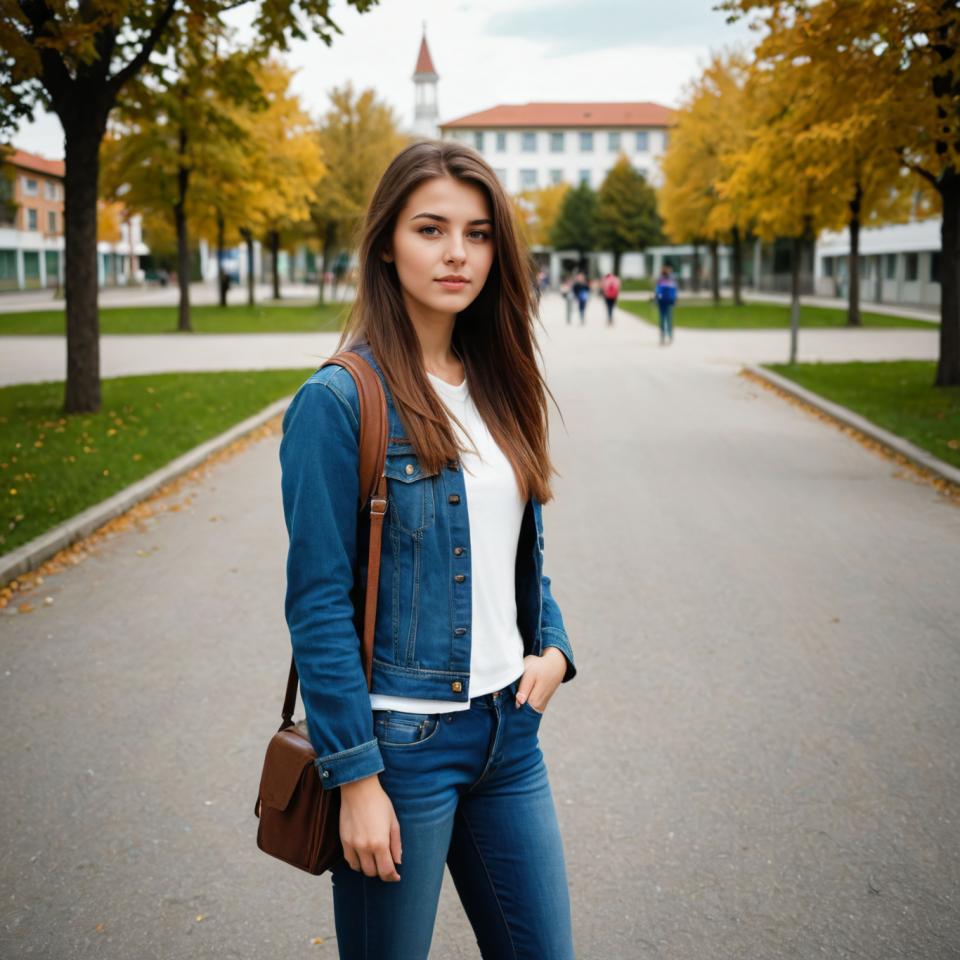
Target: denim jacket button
<point>460,577</point>
<point>457,551</point>
<point>326,773</point>
<point>454,498</point>
<point>456,686</point>
<point>408,469</point>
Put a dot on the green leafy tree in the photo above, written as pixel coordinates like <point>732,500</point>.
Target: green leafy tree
<point>627,217</point>
<point>576,225</point>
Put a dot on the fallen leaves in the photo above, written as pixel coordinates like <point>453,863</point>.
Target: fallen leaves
<point>915,472</point>
<point>154,505</point>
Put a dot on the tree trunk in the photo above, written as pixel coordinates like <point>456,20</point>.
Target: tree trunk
<point>795,296</point>
<point>82,138</point>
<point>948,365</point>
<point>221,284</point>
<point>251,280</point>
<point>329,236</point>
<point>275,262</point>
<point>695,283</point>
<point>183,247</point>
<point>737,267</point>
<point>715,272</point>
<point>617,255</point>
<point>853,261</point>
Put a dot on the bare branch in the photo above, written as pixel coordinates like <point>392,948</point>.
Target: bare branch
<point>133,67</point>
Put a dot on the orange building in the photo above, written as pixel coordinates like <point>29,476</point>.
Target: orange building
<point>31,221</point>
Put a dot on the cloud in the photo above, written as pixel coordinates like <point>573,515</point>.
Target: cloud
<point>578,26</point>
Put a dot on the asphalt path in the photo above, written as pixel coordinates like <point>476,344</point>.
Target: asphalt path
<point>758,758</point>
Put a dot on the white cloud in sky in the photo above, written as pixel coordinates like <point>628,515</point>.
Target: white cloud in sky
<point>494,52</point>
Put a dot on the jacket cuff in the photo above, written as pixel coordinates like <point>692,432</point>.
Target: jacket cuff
<point>348,765</point>
<point>552,637</point>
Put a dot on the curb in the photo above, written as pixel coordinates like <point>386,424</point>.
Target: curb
<point>911,452</point>
<point>36,551</point>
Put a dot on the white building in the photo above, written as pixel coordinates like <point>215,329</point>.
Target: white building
<point>532,145</point>
<point>898,264</point>
<point>426,111</point>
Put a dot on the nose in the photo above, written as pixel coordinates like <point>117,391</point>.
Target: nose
<point>456,252</point>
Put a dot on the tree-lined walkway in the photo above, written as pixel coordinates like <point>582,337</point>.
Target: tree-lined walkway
<point>758,758</point>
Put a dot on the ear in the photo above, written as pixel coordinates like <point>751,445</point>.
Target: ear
<point>386,256</point>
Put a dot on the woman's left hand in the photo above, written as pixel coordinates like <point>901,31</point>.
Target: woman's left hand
<point>541,677</point>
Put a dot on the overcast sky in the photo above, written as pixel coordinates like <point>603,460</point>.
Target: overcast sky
<point>495,51</point>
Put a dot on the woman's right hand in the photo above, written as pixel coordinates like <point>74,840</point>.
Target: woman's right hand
<point>369,829</point>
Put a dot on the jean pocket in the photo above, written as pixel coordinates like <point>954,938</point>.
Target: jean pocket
<point>526,706</point>
<point>394,728</point>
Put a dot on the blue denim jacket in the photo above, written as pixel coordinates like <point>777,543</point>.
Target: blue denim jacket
<point>423,626</point>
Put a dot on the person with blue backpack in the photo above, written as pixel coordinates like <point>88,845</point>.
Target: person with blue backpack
<point>666,296</point>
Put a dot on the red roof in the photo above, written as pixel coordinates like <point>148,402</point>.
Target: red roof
<point>424,60</point>
<point>33,161</point>
<point>643,114</point>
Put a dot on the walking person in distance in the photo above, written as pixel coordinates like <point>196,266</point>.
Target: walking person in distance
<point>666,296</point>
<point>439,763</point>
<point>610,287</point>
<point>581,292</point>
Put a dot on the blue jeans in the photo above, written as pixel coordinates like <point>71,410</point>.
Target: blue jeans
<point>470,790</point>
<point>666,319</point>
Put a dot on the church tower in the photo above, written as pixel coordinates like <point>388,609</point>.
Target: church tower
<point>426,114</point>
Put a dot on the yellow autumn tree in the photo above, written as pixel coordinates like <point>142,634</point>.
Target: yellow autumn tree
<point>710,129</point>
<point>897,60</point>
<point>536,211</point>
<point>358,136</point>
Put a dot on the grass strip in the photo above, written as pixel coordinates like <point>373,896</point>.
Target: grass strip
<point>302,318</point>
<point>750,316</point>
<point>897,395</point>
<point>53,466</point>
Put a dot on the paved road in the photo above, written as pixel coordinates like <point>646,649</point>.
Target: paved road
<point>758,759</point>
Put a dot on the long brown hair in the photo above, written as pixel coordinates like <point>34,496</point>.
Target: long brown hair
<point>494,336</point>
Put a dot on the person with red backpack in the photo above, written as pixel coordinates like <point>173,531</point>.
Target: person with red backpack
<point>611,290</point>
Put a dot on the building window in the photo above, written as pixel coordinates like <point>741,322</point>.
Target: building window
<point>586,141</point>
<point>828,266</point>
<point>501,142</point>
<point>478,140</point>
<point>50,190</point>
<point>557,143</point>
<point>891,266</point>
<point>30,187</point>
<point>51,221</point>
<point>613,140</point>
<point>501,175</point>
<point>528,179</point>
<point>584,177</point>
<point>911,267</point>
<point>935,266</point>
<point>528,142</point>
<point>642,143</point>
<point>665,139</point>
<point>556,176</point>
<point>31,218</point>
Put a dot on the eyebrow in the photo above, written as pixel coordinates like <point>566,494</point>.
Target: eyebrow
<point>439,219</point>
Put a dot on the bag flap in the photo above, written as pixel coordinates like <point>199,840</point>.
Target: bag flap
<point>288,754</point>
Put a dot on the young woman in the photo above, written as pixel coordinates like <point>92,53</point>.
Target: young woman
<point>440,762</point>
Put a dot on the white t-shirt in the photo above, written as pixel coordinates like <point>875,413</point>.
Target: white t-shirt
<point>495,511</point>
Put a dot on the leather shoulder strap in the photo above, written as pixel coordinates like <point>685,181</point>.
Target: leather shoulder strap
<point>374,427</point>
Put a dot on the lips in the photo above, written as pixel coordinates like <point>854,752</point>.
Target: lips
<point>453,282</point>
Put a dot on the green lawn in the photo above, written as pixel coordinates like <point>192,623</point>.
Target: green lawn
<point>704,315</point>
<point>53,466</point>
<point>896,395</point>
<point>266,318</point>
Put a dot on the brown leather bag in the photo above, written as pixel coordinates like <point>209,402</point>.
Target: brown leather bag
<point>299,820</point>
